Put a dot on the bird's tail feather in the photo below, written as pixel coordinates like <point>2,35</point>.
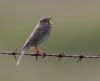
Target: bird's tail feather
<point>19,60</point>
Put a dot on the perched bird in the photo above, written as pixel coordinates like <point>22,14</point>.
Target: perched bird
<point>38,35</point>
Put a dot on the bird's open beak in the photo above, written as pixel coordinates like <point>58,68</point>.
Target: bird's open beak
<point>51,23</point>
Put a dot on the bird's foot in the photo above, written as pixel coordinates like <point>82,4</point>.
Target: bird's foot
<point>40,52</point>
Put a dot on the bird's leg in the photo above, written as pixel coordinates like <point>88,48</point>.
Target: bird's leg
<point>40,52</point>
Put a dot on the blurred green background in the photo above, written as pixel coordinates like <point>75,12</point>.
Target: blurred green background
<point>76,29</point>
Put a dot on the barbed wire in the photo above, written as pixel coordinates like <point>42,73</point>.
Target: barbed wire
<point>59,56</point>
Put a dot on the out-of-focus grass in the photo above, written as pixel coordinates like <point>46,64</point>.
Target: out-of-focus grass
<point>76,29</point>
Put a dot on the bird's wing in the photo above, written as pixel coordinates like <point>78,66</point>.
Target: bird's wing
<point>36,36</point>
<point>27,45</point>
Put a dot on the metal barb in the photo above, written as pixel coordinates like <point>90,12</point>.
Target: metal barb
<point>36,57</point>
<point>80,57</point>
<point>14,54</point>
<point>60,56</point>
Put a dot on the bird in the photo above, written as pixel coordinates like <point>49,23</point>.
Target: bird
<point>39,34</point>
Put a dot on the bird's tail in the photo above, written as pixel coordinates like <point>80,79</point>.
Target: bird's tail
<point>19,60</point>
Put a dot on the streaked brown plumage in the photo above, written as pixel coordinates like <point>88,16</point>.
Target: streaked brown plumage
<point>38,35</point>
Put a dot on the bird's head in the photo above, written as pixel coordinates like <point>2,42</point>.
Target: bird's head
<point>46,21</point>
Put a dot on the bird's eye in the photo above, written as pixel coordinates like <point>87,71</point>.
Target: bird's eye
<point>44,20</point>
